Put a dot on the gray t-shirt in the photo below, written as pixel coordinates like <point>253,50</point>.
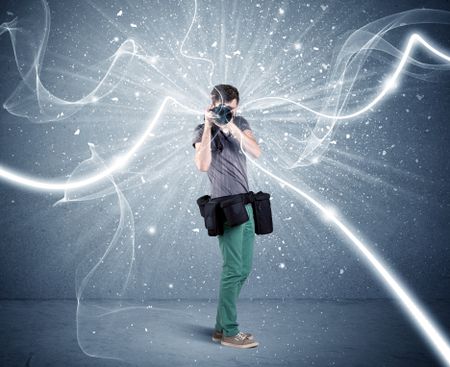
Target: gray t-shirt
<point>227,172</point>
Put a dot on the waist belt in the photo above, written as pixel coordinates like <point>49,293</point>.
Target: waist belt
<point>247,197</point>
<point>230,211</point>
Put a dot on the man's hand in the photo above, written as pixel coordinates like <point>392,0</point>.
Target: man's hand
<point>209,117</point>
<point>249,142</point>
<point>231,127</point>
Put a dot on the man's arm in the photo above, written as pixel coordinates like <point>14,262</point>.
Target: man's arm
<point>248,140</point>
<point>203,149</point>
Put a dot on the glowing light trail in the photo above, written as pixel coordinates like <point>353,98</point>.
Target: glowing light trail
<point>61,186</point>
<point>34,183</point>
<point>418,315</point>
<point>390,84</point>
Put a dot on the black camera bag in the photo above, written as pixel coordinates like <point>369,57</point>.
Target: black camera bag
<point>234,210</point>
<point>210,210</point>
<point>262,213</point>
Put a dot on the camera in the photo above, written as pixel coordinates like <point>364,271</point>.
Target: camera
<point>223,114</point>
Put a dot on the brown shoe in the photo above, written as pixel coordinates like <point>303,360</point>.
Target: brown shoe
<point>217,336</point>
<point>239,340</point>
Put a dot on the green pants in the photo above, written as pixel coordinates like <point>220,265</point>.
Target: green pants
<point>236,245</point>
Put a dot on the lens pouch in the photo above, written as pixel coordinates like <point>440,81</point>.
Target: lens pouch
<point>213,218</point>
<point>234,211</point>
<point>201,202</point>
<point>262,213</point>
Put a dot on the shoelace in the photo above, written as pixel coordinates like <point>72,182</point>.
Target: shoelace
<point>240,335</point>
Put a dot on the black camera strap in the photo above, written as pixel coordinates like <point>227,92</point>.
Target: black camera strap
<point>216,139</point>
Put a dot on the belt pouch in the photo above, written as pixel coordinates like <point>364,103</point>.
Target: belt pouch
<point>262,213</point>
<point>234,211</point>
<point>201,202</point>
<point>213,218</point>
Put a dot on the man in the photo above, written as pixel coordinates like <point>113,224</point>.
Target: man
<point>218,152</point>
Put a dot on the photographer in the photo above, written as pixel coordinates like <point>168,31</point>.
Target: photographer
<point>218,152</point>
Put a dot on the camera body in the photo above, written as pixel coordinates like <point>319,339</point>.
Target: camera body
<point>223,114</point>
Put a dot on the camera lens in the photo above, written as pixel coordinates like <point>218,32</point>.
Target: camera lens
<point>223,114</point>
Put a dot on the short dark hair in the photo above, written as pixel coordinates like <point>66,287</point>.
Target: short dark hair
<point>227,91</point>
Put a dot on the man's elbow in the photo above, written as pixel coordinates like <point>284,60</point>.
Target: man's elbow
<point>257,153</point>
<point>202,166</point>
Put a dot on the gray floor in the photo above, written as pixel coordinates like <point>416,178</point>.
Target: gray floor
<point>290,333</point>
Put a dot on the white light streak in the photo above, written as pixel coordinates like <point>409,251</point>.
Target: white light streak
<point>47,185</point>
<point>417,314</point>
<point>391,82</point>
